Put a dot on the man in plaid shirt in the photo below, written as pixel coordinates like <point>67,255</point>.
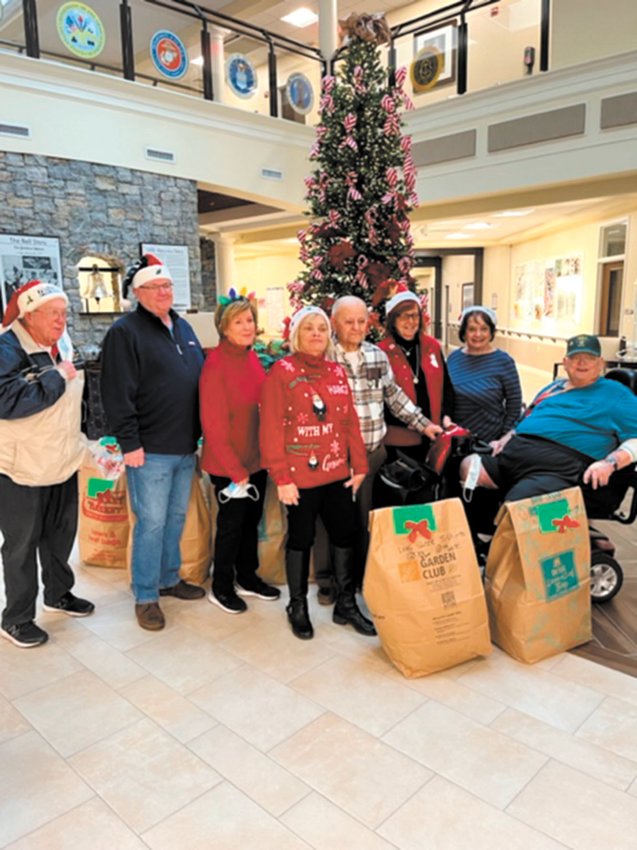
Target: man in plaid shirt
<point>372,383</point>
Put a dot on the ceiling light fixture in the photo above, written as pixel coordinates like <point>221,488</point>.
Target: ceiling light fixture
<point>479,225</point>
<point>513,213</point>
<point>198,60</point>
<point>301,17</point>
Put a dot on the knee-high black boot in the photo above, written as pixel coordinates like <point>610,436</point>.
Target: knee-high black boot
<point>346,610</point>
<point>297,568</point>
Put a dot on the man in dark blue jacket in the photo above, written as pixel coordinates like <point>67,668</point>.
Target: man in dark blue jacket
<point>151,362</point>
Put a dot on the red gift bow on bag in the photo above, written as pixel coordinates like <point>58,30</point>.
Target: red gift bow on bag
<point>416,528</point>
<point>564,523</point>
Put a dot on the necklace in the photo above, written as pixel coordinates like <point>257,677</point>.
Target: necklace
<point>407,353</point>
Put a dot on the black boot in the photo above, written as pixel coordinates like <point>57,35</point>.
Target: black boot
<point>297,568</point>
<point>346,610</point>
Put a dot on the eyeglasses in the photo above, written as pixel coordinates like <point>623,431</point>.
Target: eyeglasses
<point>409,317</point>
<point>157,287</point>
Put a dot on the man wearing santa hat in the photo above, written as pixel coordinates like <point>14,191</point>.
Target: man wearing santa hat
<point>41,449</point>
<point>151,360</point>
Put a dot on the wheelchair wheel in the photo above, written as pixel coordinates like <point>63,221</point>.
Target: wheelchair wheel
<point>606,577</point>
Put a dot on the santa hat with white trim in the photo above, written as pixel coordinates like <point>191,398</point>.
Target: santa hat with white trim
<point>29,297</point>
<point>147,270</point>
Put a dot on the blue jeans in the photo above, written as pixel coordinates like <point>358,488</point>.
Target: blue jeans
<point>159,493</point>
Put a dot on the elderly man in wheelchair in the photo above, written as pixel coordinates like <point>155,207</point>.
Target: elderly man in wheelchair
<point>579,430</point>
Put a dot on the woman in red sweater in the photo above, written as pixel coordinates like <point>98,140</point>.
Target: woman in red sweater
<point>419,369</point>
<point>230,391</point>
<point>312,447</point>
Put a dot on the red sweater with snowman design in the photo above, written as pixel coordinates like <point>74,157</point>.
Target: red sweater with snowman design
<point>301,443</point>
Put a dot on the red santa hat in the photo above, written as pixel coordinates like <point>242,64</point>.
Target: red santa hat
<point>153,271</point>
<point>29,297</point>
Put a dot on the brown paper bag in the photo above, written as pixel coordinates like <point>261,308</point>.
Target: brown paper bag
<point>423,588</point>
<point>196,538</point>
<point>103,524</point>
<point>537,576</point>
<point>272,530</point>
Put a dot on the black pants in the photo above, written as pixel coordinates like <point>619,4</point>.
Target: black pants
<point>36,521</point>
<point>531,466</point>
<point>333,503</point>
<point>236,537</point>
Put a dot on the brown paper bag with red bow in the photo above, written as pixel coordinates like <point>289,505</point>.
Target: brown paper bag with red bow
<point>423,587</point>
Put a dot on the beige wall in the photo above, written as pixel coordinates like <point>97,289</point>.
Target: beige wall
<point>258,273</point>
<point>582,30</point>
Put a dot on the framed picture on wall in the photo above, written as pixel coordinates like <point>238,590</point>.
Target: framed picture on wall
<point>436,51</point>
<point>175,257</point>
<point>24,258</point>
<point>467,295</point>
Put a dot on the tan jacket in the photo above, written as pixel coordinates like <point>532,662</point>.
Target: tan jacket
<point>44,448</point>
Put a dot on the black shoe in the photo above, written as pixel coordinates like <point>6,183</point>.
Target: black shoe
<point>325,596</point>
<point>258,588</point>
<point>25,635</point>
<point>183,590</point>
<point>299,619</point>
<point>228,602</point>
<point>346,612</point>
<point>71,605</point>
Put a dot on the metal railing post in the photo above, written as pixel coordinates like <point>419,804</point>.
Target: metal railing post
<point>31,35</point>
<point>206,68</point>
<point>545,25</point>
<point>463,59</point>
<point>272,81</point>
<point>126,32</point>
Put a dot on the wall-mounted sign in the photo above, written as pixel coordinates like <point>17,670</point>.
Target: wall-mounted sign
<point>299,93</point>
<point>24,258</point>
<point>175,258</point>
<point>241,75</point>
<point>80,30</point>
<point>426,68</point>
<point>169,54</point>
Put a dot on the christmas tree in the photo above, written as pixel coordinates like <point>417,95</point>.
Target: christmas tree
<point>359,195</point>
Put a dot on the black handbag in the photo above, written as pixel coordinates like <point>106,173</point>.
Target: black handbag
<point>94,420</point>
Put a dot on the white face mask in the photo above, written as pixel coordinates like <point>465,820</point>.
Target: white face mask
<point>238,491</point>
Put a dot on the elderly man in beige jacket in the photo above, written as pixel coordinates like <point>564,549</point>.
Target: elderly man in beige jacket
<point>41,449</point>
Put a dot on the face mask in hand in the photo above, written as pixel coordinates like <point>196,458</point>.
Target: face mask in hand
<point>238,491</point>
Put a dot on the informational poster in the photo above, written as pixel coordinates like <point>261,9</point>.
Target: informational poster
<point>175,258</point>
<point>24,258</point>
<point>548,294</point>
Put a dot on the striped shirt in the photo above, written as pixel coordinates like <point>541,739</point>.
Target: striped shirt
<point>488,393</point>
<point>372,383</point>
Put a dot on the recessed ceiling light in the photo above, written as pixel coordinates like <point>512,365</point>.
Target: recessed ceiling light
<point>458,235</point>
<point>198,60</point>
<point>301,17</point>
<point>513,213</point>
<point>478,225</point>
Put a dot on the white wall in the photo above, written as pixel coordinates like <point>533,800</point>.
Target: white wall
<point>583,30</point>
<point>258,273</point>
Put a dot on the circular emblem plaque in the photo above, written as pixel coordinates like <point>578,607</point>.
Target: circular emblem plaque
<point>241,75</point>
<point>426,69</point>
<point>169,54</point>
<point>299,93</point>
<point>80,30</point>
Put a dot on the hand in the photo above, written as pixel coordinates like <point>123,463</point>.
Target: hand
<point>447,423</point>
<point>288,494</point>
<point>67,370</point>
<point>355,482</point>
<point>498,445</point>
<point>134,458</point>
<point>432,430</point>
<point>598,473</point>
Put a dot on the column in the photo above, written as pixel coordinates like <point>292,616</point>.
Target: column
<point>224,261</point>
<point>328,28</point>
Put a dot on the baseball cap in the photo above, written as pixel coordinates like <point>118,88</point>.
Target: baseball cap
<point>583,344</point>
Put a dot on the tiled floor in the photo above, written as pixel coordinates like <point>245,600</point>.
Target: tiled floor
<point>226,733</point>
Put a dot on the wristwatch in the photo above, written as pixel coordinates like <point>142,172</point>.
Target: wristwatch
<point>613,462</point>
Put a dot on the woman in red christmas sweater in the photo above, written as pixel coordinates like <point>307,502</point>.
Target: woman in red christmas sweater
<point>312,447</point>
<point>419,369</point>
<point>230,391</point>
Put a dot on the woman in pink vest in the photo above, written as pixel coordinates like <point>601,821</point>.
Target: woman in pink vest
<point>419,369</point>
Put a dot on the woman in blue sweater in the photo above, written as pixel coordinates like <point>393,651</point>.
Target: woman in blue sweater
<point>485,379</point>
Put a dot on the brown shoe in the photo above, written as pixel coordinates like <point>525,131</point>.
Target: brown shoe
<point>183,590</point>
<point>149,616</point>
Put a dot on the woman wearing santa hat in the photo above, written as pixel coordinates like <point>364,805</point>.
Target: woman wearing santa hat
<point>41,449</point>
<point>312,447</point>
<point>419,369</point>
